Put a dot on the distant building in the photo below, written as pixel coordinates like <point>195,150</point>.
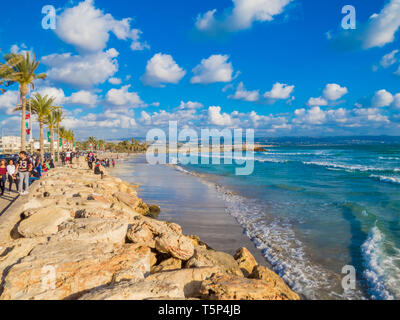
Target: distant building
<point>10,144</point>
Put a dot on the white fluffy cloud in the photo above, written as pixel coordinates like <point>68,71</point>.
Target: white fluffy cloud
<point>162,69</point>
<point>83,97</point>
<point>115,81</point>
<point>242,15</point>
<point>334,91</point>
<point>217,118</point>
<point>190,105</point>
<point>214,69</point>
<point>123,97</point>
<point>55,93</point>
<point>89,28</point>
<point>389,59</point>
<point>382,98</point>
<point>279,92</point>
<point>396,101</point>
<point>136,44</point>
<point>82,71</point>
<point>382,27</point>
<point>8,101</point>
<point>317,102</point>
<point>314,116</point>
<point>242,94</point>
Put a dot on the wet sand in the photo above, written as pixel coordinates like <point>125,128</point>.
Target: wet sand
<point>189,202</point>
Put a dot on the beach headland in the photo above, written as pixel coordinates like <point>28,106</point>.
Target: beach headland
<point>77,236</point>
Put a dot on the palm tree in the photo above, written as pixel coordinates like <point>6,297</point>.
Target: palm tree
<point>93,142</point>
<point>51,122</point>
<point>24,74</point>
<point>62,133</point>
<point>41,107</point>
<point>7,68</point>
<point>58,118</point>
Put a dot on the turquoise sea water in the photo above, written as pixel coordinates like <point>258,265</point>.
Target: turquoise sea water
<point>313,210</point>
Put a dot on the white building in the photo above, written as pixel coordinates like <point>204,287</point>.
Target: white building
<point>10,144</point>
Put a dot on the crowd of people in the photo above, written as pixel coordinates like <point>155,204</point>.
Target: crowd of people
<point>98,165</point>
<point>29,168</point>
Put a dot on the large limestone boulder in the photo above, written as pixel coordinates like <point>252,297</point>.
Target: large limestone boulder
<point>127,199</point>
<point>127,290</point>
<point>189,280</point>
<point>54,272</point>
<point>267,275</point>
<point>228,287</point>
<point>163,236</point>
<point>43,222</point>
<point>92,230</point>
<point>204,257</point>
<point>245,260</point>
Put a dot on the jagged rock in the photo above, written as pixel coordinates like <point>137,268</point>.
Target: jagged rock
<point>128,275</point>
<point>92,230</point>
<point>127,290</point>
<point>164,237</point>
<point>267,275</point>
<point>166,265</point>
<point>127,199</point>
<point>208,258</point>
<point>189,280</point>
<point>245,260</point>
<point>228,287</point>
<point>53,271</point>
<point>153,258</point>
<point>43,222</point>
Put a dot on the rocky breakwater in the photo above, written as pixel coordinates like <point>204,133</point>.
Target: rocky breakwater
<point>79,237</point>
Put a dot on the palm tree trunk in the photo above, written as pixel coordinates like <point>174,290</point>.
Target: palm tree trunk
<point>58,141</point>
<point>24,92</point>
<point>41,142</point>
<point>52,142</point>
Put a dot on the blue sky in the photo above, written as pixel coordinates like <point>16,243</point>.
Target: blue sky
<point>283,67</point>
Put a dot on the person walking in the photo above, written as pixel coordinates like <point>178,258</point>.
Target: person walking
<point>3,177</point>
<point>12,178</point>
<point>24,167</point>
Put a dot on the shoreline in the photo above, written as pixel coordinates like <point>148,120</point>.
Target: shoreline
<point>97,238</point>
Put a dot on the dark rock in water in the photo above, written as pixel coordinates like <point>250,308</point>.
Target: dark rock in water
<point>154,211</point>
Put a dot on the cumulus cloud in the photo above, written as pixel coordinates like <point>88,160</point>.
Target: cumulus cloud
<point>82,71</point>
<point>334,91</point>
<point>83,97</point>
<point>217,118</point>
<point>214,69</point>
<point>279,91</point>
<point>136,44</point>
<point>242,94</point>
<point>317,102</point>
<point>162,69</point>
<point>55,93</point>
<point>314,116</point>
<point>190,105</point>
<point>396,101</point>
<point>382,98</point>
<point>123,97</point>
<point>382,27</point>
<point>115,81</point>
<point>8,101</point>
<point>389,59</point>
<point>242,15</point>
<point>89,28</point>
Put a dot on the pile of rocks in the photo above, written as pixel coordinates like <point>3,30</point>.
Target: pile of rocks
<point>82,237</point>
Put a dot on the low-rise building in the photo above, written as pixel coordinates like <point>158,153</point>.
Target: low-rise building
<point>10,144</point>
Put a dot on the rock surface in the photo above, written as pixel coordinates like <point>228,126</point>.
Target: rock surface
<point>43,222</point>
<point>208,258</point>
<point>227,287</point>
<point>245,260</point>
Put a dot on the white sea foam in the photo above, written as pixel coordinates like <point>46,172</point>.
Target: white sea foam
<point>348,167</point>
<point>395,180</point>
<point>382,270</point>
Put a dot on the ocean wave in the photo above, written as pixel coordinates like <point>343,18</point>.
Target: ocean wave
<point>389,158</point>
<point>356,167</point>
<point>381,270</point>
<point>395,180</point>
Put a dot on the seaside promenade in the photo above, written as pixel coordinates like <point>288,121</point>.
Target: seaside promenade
<point>7,200</point>
<point>77,236</point>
